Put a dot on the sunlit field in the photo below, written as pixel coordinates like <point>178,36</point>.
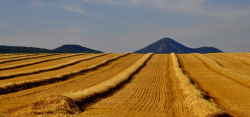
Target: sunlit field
<point>109,84</point>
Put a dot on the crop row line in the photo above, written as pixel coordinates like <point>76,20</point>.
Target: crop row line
<point>15,56</point>
<point>7,54</point>
<point>194,100</point>
<point>245,60</point>
<point>18,86</point>
<point>55,67</point>
<point>237,77</point>
<point>90,93</point>
<point>36,62</point>
<point>19,59</point>
<point>111,83</point>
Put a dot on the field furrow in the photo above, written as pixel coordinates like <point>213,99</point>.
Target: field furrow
<point>194,98</point>
<point>16,63</point>
<point>230,63</point>
<point>26,58</point>
<point>48,66</point>
<point>149,93</point>
<point>25,82</point>
<point>6,55</point>
<point>228,94</point>
<point>34,62</point>
<point>242,79</point>
<point>20,100</point>
<point>240,57</point>
<point>109,84</point>
<point>11,56</point>
<point>244,55</point>
<point>68,67</point>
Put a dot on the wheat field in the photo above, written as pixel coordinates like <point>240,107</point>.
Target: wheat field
<point>109,84</point>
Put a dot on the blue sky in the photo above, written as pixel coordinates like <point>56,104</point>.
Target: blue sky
<point>121,26</point>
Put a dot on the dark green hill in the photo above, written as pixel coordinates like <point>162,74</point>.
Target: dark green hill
<point>168,45</point>
<point>75,49</point>
<point>17,49</point>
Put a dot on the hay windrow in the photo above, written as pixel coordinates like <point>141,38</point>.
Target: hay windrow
<point>55,67</point>
<point>35,62</point>
<point>54,104</point>
<point>107,85</point>
<point>19,59</point>
<point>237,77</point>
<point>82,95</point>
<point>12,56</point>
<point>245,60</point>
<point>18,86</point>
<point>194,100</point>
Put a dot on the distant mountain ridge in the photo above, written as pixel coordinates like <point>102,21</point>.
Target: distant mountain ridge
<point>61,49</point>
<point>168,45</point>
<point>75,49</point>
<point>162,46</point>
<point>21,49</point>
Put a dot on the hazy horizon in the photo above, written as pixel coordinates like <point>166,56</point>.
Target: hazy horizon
<point>121,26</point>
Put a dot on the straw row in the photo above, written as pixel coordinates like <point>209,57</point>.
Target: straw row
<point>195,100</point>
<point>52,104</point>
<point>18,86</point>
<point>14,56</point>
<point>245,60</point>
<point>50,68</point>
<point>19,59</point>
<point>237,77</point>
<point>36,62</point>
<point>111,83</point>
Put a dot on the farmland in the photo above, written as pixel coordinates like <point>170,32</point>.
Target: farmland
<point>109,84</point>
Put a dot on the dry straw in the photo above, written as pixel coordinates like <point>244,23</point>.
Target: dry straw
<point>36,62</point>
<point>17,86</point>
<point>110,83</point>
<point>245,60</point>
<point>55,67</point>
<point>237,77</point>
<point>195,100</point>
<point>25,58</point>
<point>82,95</point>
<point>12,56</point>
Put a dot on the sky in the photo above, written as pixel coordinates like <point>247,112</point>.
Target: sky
<point>120,26</point>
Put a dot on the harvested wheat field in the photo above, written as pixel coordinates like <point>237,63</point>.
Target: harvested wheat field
<point>108,84</point>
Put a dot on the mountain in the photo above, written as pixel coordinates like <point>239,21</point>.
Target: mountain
<point>75,49</point>
<point>168,45</point>
<point>18,49</point>
<point>207,50</point>
<point>163,46</point>
<point>61,49</point>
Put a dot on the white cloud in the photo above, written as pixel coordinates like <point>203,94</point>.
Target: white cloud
<point>112,2</point>
<point>82,12</point>
<point>186,7</point>
<point>230,35</point>
<point>36,3</point>
<point>75,10</point>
